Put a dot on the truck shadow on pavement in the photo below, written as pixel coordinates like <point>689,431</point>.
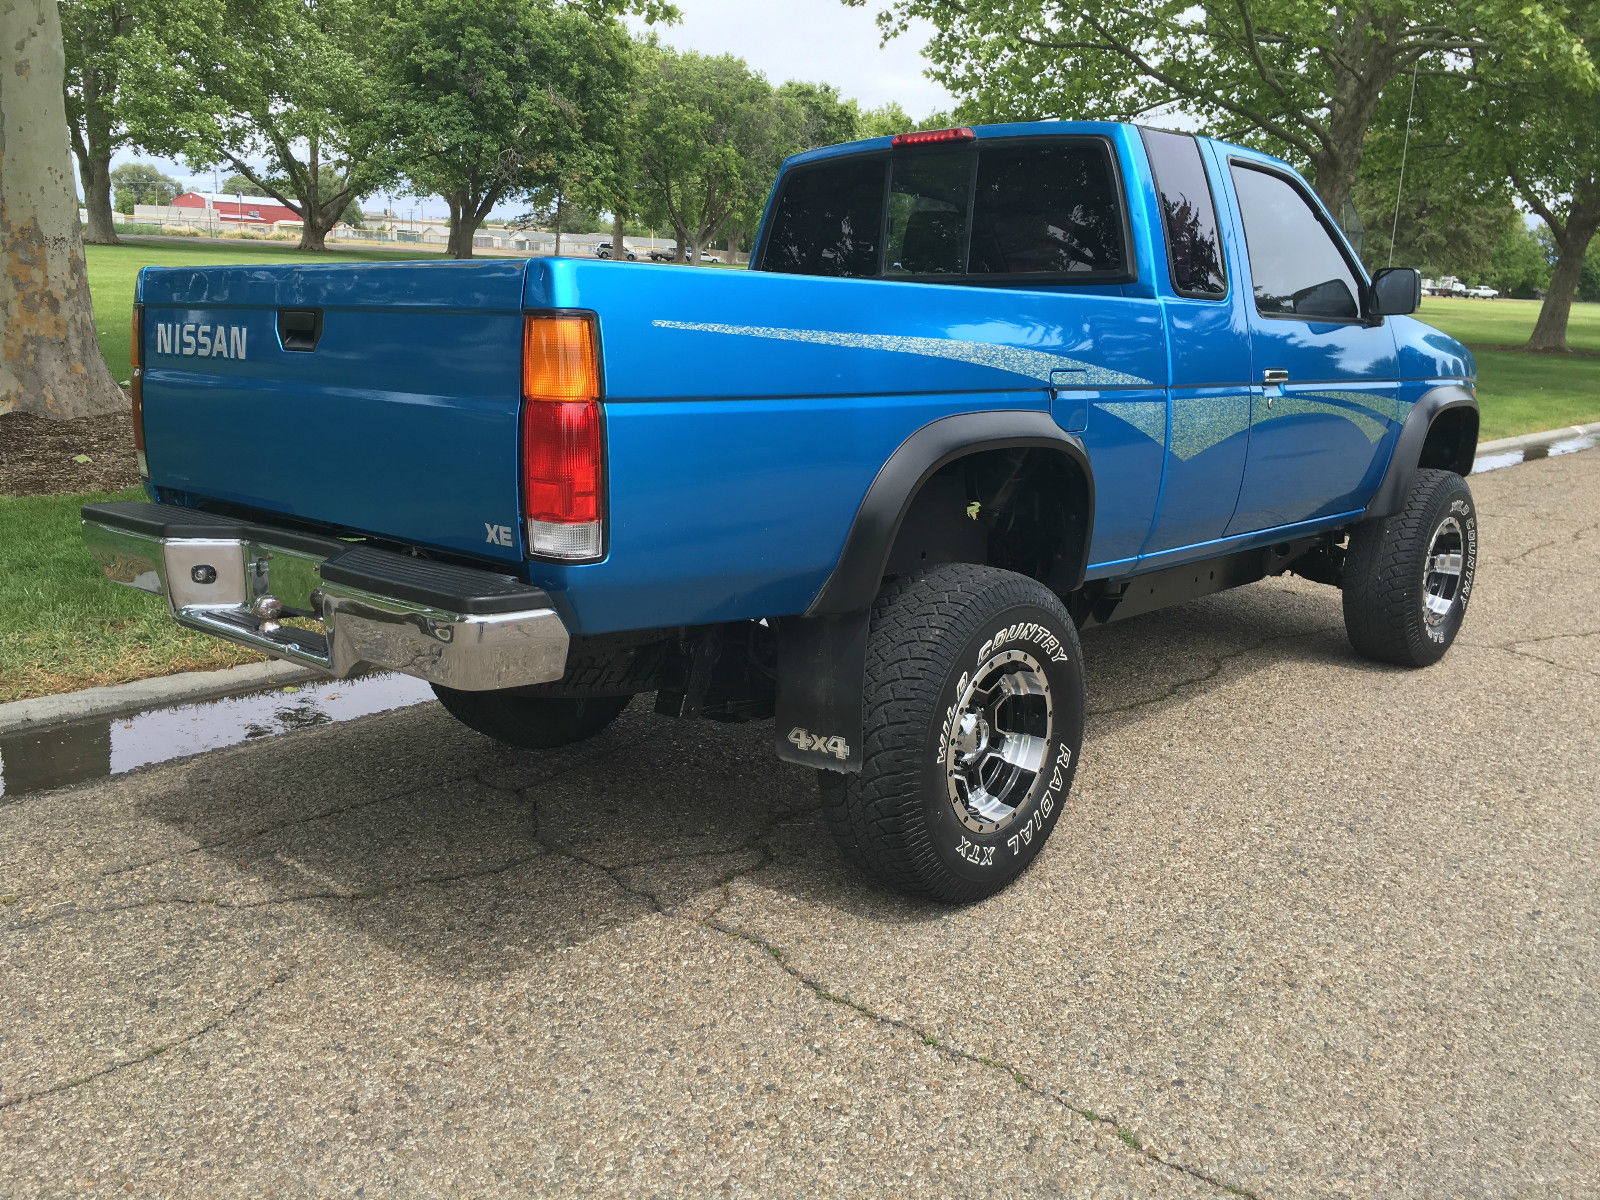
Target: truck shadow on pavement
<point>408,831</point>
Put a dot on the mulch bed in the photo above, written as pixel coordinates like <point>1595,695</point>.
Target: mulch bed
<point>36,454</point>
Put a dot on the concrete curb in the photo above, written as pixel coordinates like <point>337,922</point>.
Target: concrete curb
<point>1538,439</point>
<point>121,698</point>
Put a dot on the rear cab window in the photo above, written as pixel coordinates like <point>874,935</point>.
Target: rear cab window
<point>993,211</point>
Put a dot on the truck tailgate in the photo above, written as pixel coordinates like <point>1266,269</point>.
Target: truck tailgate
<point>379,398</point>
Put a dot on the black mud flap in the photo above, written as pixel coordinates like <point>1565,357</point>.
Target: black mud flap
<point>822,663</point>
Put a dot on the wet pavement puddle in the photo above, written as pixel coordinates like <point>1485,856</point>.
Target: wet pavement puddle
<point>32,760</point>
<point>1522,454</point>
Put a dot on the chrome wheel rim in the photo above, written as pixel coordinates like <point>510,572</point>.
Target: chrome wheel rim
<point>1442,570</point>
<point>998,738</point>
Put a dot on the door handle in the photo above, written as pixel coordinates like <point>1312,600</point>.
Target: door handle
<point>1274,375</point>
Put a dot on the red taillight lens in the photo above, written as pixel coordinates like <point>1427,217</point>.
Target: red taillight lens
<point>136,383</point>
<point>933,137</point>
<point>562,442</point>
<point>561,461</point>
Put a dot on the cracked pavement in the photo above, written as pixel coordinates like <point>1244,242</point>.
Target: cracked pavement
<point>1309,927</point>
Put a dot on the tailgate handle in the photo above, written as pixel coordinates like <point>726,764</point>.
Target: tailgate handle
<point>299,328</point>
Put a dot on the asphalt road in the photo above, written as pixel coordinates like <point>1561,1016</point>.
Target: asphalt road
<point>1310,927</point>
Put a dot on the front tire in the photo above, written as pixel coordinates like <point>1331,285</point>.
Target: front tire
<point>531,722</point>
<point>1408,577</point>
<point>974,711</point>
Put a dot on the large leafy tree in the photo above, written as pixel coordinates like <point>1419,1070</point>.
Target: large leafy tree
<point>1518,265</point>
<point>818,115</point>
<point>140,183</point>
<point>890,119</point>
<point>491,99</point>
<point>120,53</point>
<point>1446,205</point>
<point>1300,78</point>
<point>284,83</point>
<point>1547,135</point>
<point>50,360</point>
<point>714,134</point>
<point>96,37</point>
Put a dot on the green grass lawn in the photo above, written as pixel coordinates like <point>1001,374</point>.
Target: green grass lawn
<point>64,626</point>
<point>1520,392</point>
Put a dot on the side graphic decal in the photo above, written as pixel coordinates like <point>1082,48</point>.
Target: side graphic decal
<point>1034,364</point>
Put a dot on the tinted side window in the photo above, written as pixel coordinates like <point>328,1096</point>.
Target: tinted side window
<point>1295,265</point>
<point>928,215</point>
<point>827,220</point>
<point>1194,247</point>
<point>1046,208</point>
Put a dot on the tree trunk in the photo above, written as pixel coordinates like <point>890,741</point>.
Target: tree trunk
<point>313,234</point>
<point>463,224</point>
<point>618,254</point>
<point>96,176</point>
<point>50,361</point>
<point>460,243</point>
<point>1550,330</point>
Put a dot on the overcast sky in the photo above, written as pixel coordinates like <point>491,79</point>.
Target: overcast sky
<point>820,41</point>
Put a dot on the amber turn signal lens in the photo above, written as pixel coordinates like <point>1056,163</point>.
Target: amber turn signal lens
<point>558,359</point>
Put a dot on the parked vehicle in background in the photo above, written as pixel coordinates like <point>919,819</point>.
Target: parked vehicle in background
<point>979,388</point>
<point>1483,292</point>
<point>1447,286</point>
<point>603,250</point>
<point>670,254</point>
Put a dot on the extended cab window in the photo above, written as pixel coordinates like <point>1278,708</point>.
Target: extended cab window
<point>928,214</point>
<point>1035,208</point>
<point>1188,216</point>
<point>1295,265</point>
<point>1046,209</point>
<point>828,220</point>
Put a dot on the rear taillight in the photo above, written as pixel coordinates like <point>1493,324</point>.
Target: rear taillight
<point>136,387</point>
<point>562,439</point>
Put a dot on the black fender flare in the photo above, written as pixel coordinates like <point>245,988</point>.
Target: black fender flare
<point>822,654</point>
<point>856,576</point>
<point>1407,454</point>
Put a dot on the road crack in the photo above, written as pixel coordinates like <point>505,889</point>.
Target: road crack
<point>355,896</point>
<point>290,823</point>
<point>759,841</point>
<point>1576,535</point>
<point>1028,1083</point>
<point>1218,665</point>
<point>155,1050</point>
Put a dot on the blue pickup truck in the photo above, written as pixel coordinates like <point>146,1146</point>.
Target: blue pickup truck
<point>979,388</point>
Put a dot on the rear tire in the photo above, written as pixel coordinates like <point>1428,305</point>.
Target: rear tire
<point>1408,577</point>
<point>531,722</point>
<point>974,709</point>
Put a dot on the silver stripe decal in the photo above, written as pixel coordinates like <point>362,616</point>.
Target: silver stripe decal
<point>1034,364</point>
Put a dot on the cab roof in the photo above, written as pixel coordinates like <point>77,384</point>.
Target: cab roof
<point>1020,129</point>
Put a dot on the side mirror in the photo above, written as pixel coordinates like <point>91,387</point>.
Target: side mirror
<point>1396,291</point>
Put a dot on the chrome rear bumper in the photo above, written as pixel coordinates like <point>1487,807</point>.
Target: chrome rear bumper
<point>241,581</point>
